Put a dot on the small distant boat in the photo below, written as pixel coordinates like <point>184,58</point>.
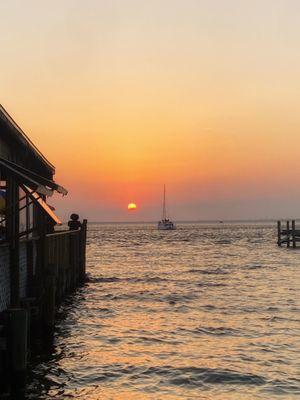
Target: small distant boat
<point>165,224</point>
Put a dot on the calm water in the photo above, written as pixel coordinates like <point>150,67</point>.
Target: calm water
<point>204,312</point>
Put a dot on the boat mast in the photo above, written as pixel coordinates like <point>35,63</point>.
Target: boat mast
<point>164,204</point>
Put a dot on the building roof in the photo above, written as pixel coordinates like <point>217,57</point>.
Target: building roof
<point>21,136</point>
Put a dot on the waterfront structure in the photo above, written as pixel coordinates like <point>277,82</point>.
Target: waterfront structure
<point>39,265</point>
<point>288,235</point>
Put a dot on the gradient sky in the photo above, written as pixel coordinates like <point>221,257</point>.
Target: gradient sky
<point>123,96</point>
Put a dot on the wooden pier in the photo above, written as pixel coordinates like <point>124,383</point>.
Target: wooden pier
<point>287,234</point>
<point>40,264</point>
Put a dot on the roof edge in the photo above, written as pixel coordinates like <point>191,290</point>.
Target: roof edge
<point>25,138</point>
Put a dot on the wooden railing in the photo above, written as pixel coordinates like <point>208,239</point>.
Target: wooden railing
<point>64,261</point>
<point>55,267</point>
<point>288,235</point>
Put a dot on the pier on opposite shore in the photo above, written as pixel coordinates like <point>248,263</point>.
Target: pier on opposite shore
<point>287,234</point>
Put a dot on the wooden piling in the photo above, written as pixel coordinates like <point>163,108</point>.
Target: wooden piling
<point>83,232</point>
<point>49,298</point>
<point>279,233</point>
<point>13,235</point>
<point>289,236</point>
<point>288,233</point>
<point>59,267</point>
<point>17,339</point>
<point>293,233</point>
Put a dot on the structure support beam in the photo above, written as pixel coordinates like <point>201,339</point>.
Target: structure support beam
<point>13,236</point>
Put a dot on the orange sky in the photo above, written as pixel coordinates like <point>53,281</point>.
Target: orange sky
<point>124,96</point>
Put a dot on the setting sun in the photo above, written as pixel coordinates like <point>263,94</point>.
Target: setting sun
<point>131,206</point>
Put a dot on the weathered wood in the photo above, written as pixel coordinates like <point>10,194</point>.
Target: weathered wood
<point>61,268</point>
<point>17,339</point>
<point>83,233</point>
<point>49,298</point>
<point>279,233</point>
<point>284,232</point>
<point>289,235</point>
<point>54,263</point>
<point>293,233</point>
<point>66,250</point>
<point>13,236</point>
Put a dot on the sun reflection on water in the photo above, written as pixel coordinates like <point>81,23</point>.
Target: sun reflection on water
<point>173,315</point>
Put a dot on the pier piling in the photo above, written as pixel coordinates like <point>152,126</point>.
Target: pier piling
<point>288,233</point>
<point>17,339</point>
<point>279,233</point>
<point>49,298</point>
<point>289,236</point>
<point>293,233</point>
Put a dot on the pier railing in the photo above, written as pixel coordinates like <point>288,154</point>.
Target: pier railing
<point>64,269</point>
<point>61,254</point>
<point>288,234</point>
<point>50,267</point>
<point>65,259</point>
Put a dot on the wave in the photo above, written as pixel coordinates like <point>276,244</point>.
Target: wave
<point>252,267</point>
<point>181,376</point>
<point>147,279</point>
<point>110,279</point>
<point>217,271</point>
<point>211,284</point>
<point>104,279</point>
<point>209,330</point>
<point>217,331</point>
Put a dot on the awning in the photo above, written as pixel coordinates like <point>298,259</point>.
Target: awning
<point>42,204</point>
<point>36,182</point>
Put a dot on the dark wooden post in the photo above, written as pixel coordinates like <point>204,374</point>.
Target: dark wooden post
<point>13,235</point>
<point>74,237</point>
<point>41,250</point>
<point>30,269</point>
<point>279,233</point>
<point>288,233</point>
<point>293,233</point>
<point>72,261</point>
<point>17,339</point>
<point>77,257</point>
<point>83,231</point>
<point>49,297</point>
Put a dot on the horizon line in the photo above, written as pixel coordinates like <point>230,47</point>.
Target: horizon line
<point>218,221</point>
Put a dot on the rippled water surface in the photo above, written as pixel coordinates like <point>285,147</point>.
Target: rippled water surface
<point>203,312</point>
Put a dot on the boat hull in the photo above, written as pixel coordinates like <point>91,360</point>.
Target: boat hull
<point>166,226</point>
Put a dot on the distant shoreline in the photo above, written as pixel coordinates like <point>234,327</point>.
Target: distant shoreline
<point>218,222</point>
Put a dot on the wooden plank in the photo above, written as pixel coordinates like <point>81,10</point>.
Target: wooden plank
<point>285,232</point>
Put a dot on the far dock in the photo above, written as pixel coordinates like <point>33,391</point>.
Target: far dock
<point>287,234</point>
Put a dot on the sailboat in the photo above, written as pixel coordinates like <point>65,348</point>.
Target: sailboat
<point>165,224</point>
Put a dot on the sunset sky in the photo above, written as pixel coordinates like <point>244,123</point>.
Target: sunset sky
<point>124,96</point>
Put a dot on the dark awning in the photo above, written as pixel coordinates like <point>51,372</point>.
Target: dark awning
<point>36,182</point>
<point>42,204</point>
